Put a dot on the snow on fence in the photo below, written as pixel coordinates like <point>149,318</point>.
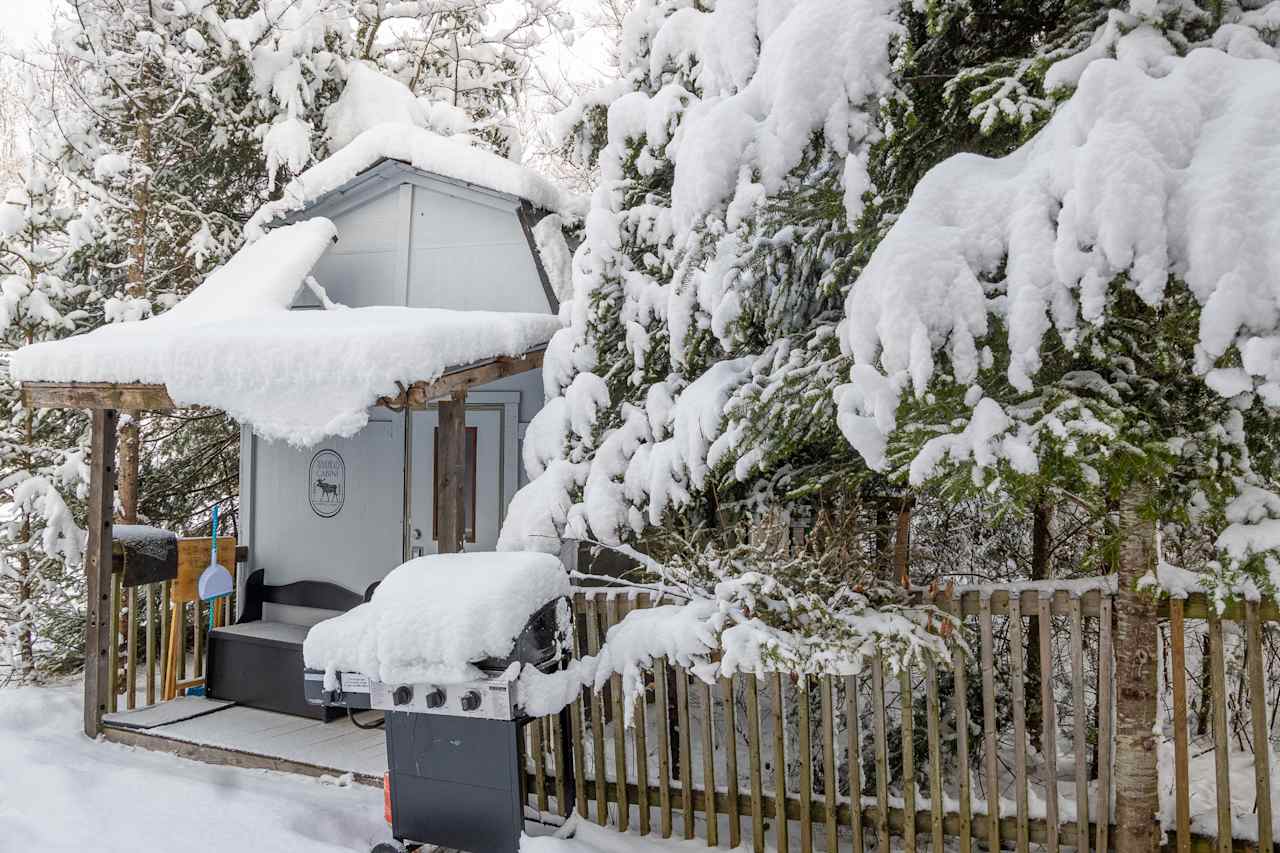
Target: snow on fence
<point>1014,759</point>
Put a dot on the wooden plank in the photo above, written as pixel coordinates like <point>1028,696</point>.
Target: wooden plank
<point>960,700</point>
<point>538,746</point>
<point>780,761</point>
<point>805,748</point>
<point>1261,730</point>
<point>419,395</point>
<point>829,781</point>
<point>1106,670</point>
<point>709,761</point>
<point>166,620</point>
<point>933,712</point>
<point>1181,756</point>
<point>619,729</point>
<point>853,727</point>
<point>686,752</point>
<point>1016,676</point>
<point>99,396</point>
<point>113,652</point>
<point>102,477</point>
<point>198,627</point>
<point>131,651</point>
<point>664,747</point>
<point>1049,721</point>
<point>990,747</point>
<point>754,747</point>
<point>1221,741</point>
<point>452,458</point>
<point>882,754</point>
<point>907,709</point>
<point>597,716</point>
<point>558,755</point>
<point>576,725</point>
<point>150,642</point>
<point>1080,725</point>
<point>639,731</point>
<point>729,745</point>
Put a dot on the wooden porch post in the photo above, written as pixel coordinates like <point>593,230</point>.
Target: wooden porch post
<point>97,565</point>
<point>452,454</point>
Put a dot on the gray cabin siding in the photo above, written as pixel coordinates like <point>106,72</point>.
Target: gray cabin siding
<point>471,255</point>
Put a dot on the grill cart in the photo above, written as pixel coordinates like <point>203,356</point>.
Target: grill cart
<point>455,755</point>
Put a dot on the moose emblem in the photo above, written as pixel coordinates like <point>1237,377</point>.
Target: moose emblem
<point>327,490</point>
<point>327,483</point>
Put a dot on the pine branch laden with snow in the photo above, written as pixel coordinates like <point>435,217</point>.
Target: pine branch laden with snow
<point>1096,306</point>
<point>720,111</point>
<point>750,609</point>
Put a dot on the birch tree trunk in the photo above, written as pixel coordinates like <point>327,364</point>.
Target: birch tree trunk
<point>1136,782</point>
<point>130,437</point>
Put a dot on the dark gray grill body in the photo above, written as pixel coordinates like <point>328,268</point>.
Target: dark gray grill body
<point>457,769</point>
<point>455,782</point>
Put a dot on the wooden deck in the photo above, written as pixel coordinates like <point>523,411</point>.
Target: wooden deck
<point>246,737</point>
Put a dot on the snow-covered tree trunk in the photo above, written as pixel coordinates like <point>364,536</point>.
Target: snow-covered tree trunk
<point>1136,782</point>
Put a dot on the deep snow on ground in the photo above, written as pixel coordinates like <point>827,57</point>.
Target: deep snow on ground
<point>60,791</point>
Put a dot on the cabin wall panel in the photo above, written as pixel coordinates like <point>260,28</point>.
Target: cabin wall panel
<point>470,255</point>
<point>362,541</point>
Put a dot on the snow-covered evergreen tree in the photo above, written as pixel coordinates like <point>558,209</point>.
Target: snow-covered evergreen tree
<point>42,472</point>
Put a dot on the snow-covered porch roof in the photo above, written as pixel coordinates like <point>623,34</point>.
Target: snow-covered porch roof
<point>298,376</point>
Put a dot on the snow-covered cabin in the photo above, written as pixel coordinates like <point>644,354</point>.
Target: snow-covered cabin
<point>379,338</point>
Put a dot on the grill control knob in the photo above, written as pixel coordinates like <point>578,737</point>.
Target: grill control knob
<point>435,698</point>
<point>403,695</point>
<point>470,700</point>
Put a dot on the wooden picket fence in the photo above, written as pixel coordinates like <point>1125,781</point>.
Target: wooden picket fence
<point>140,618</point>
<point>816,754</point>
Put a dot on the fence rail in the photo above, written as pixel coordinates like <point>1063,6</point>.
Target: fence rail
<point>1013,757</point>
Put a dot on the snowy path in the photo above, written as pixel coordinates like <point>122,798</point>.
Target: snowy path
<point>60,791</point>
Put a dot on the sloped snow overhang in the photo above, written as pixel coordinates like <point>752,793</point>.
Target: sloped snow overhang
<point>148,397</point>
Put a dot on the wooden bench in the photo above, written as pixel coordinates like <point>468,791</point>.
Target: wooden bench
<point>258,662</point>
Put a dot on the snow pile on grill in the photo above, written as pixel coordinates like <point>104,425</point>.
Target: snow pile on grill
<point>300,376</point>
<point>434,617</point>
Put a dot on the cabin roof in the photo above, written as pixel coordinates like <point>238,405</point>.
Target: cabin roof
<point>299,376</point>
<point>389,149</point>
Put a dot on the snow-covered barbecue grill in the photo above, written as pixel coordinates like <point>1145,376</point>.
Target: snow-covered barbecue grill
<point>439,649</point>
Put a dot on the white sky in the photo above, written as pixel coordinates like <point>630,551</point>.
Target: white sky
<point>23,20</point>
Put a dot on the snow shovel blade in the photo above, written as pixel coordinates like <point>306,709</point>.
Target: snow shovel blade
<point>214,582</point>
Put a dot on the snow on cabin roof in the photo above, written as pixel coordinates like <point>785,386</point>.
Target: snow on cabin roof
<point>423,150</point>
<point>300,376</point>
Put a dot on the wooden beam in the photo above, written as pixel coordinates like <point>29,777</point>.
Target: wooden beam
<point>96,395</point>
<point>452,455</point>
<point>421,394</point>
<point>227,756</point>
<point>97,566</point>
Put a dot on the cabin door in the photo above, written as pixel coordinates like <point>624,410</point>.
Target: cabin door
<point>482,483</point>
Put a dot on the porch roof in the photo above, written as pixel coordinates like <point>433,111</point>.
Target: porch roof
<point>296,375</point>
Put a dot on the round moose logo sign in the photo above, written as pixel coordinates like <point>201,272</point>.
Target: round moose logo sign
<point>327,483</point>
